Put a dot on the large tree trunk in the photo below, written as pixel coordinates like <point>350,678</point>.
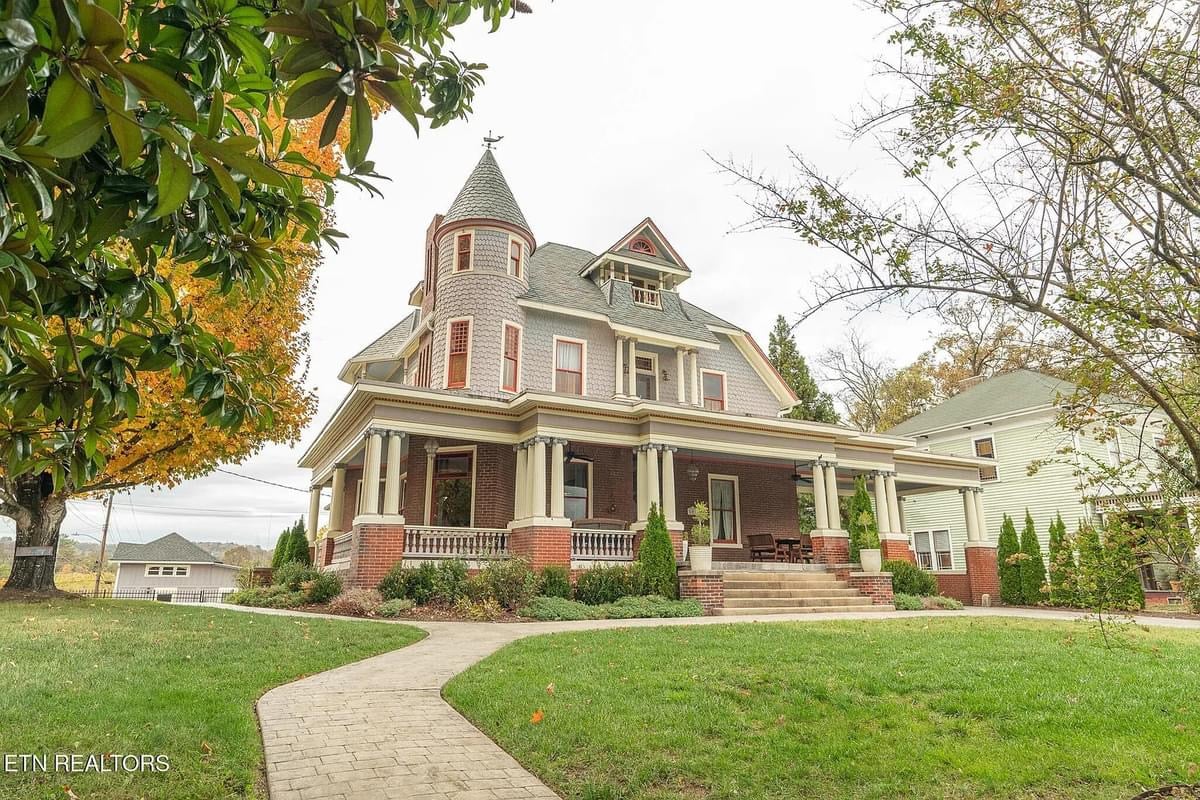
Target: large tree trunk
<point>39,514</point>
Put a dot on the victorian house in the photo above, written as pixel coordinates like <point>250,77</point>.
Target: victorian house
<point>538,398</point>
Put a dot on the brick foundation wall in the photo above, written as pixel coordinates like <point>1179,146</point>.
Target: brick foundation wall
<point>831,549</point>
<point>877,586</point>
<point>324,552</point>
<point>954,584</point>
<point>1159,597</point>
<point>375,550</point>
<point>983,573</point>
<point>896,550</point>
<point>542,546</point>
<point>707,587</point>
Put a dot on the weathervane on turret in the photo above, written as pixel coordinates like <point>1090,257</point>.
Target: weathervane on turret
<point>490,140</point>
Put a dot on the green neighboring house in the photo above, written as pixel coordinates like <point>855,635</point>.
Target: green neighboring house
<point>1013,419</point>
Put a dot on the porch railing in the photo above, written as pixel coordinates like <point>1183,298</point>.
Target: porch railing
<point>598,545</point>
<point>469,543</point>
<point>647,297</point>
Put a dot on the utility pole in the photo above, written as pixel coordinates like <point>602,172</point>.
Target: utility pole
<point>103,540</point>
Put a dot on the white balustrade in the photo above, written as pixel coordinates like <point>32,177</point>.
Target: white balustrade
<point>600,545</point>
<point>467,543</point>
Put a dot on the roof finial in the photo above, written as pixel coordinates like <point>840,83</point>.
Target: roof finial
<point>490,140</point>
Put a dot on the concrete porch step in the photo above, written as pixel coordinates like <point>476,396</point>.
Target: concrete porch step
<point>789,602</point>
<point>832,591</point>
<point>828,583</point>
<point>766,566</point>
<point>748,611</point>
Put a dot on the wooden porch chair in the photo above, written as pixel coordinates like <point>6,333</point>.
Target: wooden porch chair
<point>762,546</point>
<point>806,550</point>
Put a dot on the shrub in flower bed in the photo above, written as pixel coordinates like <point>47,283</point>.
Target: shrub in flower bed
<point>555,581</point>
<point>484,610</point>
<point>908,578</point>
<point>510,582</point>
<point>394,608</point>
<point>906,602</point>
<point>911,602</point>
<point>356,602</point>
<point>558,608</point>
<point>267,597</point>
<point>946,603</point>
<point>609,584</point>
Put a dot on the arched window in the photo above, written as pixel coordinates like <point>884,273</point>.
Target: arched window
<point>642,245</point>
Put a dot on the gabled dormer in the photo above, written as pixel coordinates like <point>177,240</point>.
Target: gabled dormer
<point>645,260</point>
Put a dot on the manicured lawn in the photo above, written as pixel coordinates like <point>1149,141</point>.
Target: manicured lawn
<point>949,708</point>
<point>136,677</point>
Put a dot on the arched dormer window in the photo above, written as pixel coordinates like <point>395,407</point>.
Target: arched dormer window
<point>642,245</point>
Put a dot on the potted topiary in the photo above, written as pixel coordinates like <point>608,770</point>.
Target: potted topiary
<point>700,538</point>
<point>870,558</point>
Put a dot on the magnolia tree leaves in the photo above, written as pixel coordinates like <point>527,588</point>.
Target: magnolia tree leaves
<point>132,130</point>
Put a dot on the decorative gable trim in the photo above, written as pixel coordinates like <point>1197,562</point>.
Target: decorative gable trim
<point>762,365</point>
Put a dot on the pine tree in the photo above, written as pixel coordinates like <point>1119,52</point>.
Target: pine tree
<point>860,520</point>
<point>1033,568</point>
<point>1062,565</point>
<point>1089,577</point>
<point>1125,587</point>
<point>299,549</point>
<point>1008,555</point>
<point>283,548</point>
<point>783,354</point>
<point>657,556</point>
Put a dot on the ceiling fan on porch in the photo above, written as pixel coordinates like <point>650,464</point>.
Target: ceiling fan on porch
<point>571,455</point>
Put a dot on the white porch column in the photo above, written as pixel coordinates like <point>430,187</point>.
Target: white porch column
<point>521,483</point>
<point>538,474</point>
<point>556,479</point>
<point>631,386</point>
<point>820,507</point>
<point>643,490</point>
<point>680,384</point>
<point>882,519</point>
<point>391,481</point>
<point>980,516</point>
<point>652,494</point>
<point>619,381</point>
<point>337,503</point>
<point>314,513</point>
<point>971,513</point>
<point>370,489</point>
<point>694,368</point>
<point>831,496</point>
<point>893,504</point>
<point>668,484</point>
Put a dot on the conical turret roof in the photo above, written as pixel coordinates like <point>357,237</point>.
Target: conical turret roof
<point>486,195</point>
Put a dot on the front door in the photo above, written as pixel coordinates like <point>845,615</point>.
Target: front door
<point>453,490</point>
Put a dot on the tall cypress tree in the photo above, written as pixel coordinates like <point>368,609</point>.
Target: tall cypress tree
<point>860,520</point>
<point>299,549</point>
<point>1010,568</point>
<point>1062,565</point>
<point>1033,568</point>
<point>783,354</point>
<point>283,548</point>
<point>1089,577</point>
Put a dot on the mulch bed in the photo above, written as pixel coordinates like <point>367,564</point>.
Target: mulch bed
<point>419,614</point>
<point>1176,791</point>
<point>22,596</point>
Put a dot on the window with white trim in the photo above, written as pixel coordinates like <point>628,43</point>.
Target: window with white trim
<point>577,489</point>
<point>713,386</point>
<point>723,508</point>
<point>511,367</point>
<point>646,376</point>
<point>933,549</point>
<point>458,351</point>
<point>986,448</point>
<point>568,366</point>
<point>516,257</point>
<point>462,252</point>
<point>167,570</point>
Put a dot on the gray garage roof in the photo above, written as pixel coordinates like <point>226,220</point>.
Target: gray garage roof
<point>171,548</point>
<point>486,194</point>
<point>1008,393</point>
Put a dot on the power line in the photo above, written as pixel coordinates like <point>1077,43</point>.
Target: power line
<point>260,480</point>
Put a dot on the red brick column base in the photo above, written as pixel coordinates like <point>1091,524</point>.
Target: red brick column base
<point>374,551</point>
<point>875,585</point>
<point>707,587</point>
<point>955,584</point>
<point>896,550</point>
<point>830,549</point>
<point>983,573</point>
<point>324,553</point>
<point>541,545</point>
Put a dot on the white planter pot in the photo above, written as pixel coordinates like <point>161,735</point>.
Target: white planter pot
<point>700,557</point>
<point>871,560</point>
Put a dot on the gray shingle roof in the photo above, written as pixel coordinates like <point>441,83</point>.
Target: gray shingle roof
<point>554,279</point>
<point>171,547</point>
<point>486,195</point>
<point>387,345</point>
<point>1020,390</point>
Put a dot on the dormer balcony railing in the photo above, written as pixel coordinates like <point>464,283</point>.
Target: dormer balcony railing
<point>647,297</point>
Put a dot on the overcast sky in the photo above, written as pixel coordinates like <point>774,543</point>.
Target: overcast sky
<point>608,110</point>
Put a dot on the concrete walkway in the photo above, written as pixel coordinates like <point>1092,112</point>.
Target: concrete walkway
<point>379,728</point>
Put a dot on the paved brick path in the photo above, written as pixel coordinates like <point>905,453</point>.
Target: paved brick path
<point>380,729</point>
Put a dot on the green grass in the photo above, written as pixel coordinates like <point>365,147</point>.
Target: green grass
<point>136,677</point>
<point>948,708</point>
